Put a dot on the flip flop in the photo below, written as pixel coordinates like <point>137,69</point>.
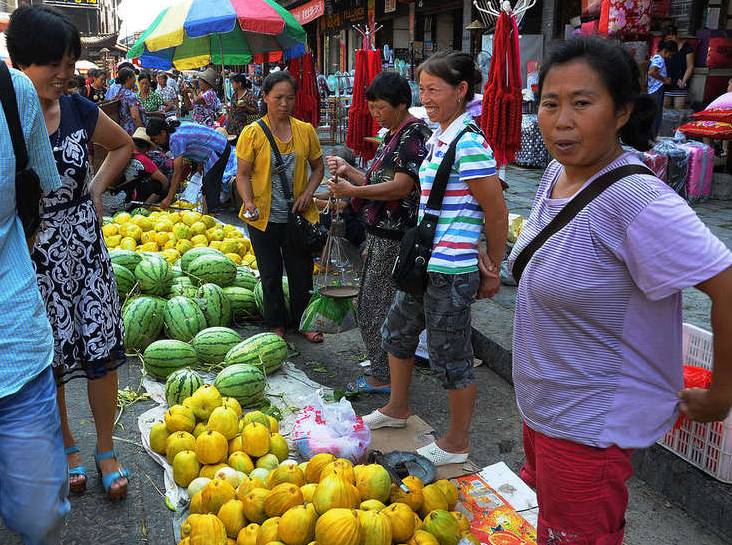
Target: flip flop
<point>313,337</point>
<point>376,419</point>
<point>362,386</point>
<point>441,457</point>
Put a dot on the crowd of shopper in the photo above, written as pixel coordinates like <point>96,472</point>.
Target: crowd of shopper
<point>597,332</point>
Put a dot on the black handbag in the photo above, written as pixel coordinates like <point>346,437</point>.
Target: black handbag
<point>28,191</point>
<point>302,233</point>
<point>571,209</point>
<point>410,268</point>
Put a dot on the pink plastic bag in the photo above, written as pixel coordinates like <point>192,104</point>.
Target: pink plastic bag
<point>701,167</point>
<point>330,427</point>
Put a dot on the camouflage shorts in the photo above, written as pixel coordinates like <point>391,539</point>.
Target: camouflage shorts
<point>444,310</point>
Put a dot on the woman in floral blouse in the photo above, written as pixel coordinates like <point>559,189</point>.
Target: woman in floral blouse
<point>204,103</point>
<point>243,107</point>
<point>131,114</point>
<point>387,195</point>
<point>151,101</point>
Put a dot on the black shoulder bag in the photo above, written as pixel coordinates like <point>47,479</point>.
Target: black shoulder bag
<point>28,191</point>
<point>410,268</point>
<point>302,233</point>
<point>573,207</point>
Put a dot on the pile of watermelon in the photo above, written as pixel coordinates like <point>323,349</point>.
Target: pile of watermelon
<point>203,289</point>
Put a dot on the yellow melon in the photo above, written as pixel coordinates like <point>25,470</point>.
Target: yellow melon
<point>232,515</point>
<point>248,535</point>
<point>158,437</point>
<point>450,491</point>
<point>341,468</point>
<point>224,421</point>
<point>178,441</point>
<point>268,531</point>
<point>255,439</point>
<point>297,525</point>
<point>286,474</point>
<point>281,498</point>
<point>211,447</point>
<point>432,499</point>
<point>241,461</point>
<point>373,483</point>
<point>254,505</point>
<point>205,400</point>
<point>216,493</point>
<point>375,528</point>
<point>185,467</point>
<point>338,527</point>
<point>316,465</point>
<point>401,518</point>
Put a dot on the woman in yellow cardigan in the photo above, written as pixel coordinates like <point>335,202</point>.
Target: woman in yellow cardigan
<point>267,209</point>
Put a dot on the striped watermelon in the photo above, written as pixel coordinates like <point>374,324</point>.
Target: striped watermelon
<point>181,384</point>
<point>163,357</point>
<point>126,258</point>
<point>243,382</point>
<point>264,350</point>
<point>153,275</point>
<point>259,295</point>
<point>143,321</point>
<point>213,343</point>
<point>213,269</point>
<point>195,253</point>
<point>183,319</point>
<point>245,278</point>
<point>125,280</point>
<point>242,302</point>
<point>185,290</point>
<point>176,271</point>
<point>215,305</point>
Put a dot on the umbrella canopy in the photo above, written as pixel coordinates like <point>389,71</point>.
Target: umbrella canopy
<point>195,33</point>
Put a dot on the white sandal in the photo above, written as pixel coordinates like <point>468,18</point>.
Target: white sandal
<point>376,419</point>
<point>440,457</point>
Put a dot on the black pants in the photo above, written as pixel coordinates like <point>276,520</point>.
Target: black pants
<point>272,247</point>
<point>211,183</point>
<point>658,99</point>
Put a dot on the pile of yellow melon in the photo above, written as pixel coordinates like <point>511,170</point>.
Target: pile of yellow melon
<point>172,234</point>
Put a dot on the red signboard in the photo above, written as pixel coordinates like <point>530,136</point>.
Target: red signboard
<point>308,12</point>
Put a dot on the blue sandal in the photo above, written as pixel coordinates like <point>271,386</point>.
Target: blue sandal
<point>362,386</point>
<point>79,485</point>
<point>110,478</point>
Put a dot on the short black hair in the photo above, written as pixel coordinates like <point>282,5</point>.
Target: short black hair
<point>241,78</point>
<point>124,74</point>
<point>156,125</point>
<point>274,78</point>
<point>145,75</point>
<point>390,87</point>
<point>128,64</point>
<point>162,74</point>
<point>621,76</point>
<point>41,35</point>
<point>453,68</point>
<point>668,45</point>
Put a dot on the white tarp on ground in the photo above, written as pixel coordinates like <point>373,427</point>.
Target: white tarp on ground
<point>287,390</point>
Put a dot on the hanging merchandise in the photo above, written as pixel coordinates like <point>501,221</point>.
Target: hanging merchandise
<point>340,264</point>
<point>360,122</point>
<point>624,17</point>
<point>502,99</point>
<point>307,103</point>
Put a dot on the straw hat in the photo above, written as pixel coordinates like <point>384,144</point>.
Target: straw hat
<point>141,135</point>
<point>209,76</point>
<point>222,131</point>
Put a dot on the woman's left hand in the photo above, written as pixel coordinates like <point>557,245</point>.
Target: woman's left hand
<point>340,187</point>
<point>303,202</point>
<point>704,405</point>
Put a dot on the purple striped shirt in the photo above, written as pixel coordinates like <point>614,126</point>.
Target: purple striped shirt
<point>597,332</point>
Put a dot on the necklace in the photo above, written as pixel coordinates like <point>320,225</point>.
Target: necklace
<point>57,140</point>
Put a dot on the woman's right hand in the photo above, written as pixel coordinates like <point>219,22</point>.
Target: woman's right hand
<point>337,165</point>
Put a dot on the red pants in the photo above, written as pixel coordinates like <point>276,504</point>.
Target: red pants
<point>580,489</point>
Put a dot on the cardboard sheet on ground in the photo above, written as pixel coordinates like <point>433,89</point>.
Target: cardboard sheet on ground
<point>416,434</point>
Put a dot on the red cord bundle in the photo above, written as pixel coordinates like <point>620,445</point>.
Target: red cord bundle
<point>360,122</point>
<point>694,377</point>
<point>307,103</point>
<point>501,118</point>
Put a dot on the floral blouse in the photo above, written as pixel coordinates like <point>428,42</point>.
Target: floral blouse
<point>238,117</point>
<point>402,155</point>
<point>152,103</point>
<point>207,113</point>
<point>128,100</point>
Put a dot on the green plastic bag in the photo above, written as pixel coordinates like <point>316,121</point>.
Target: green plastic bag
<point>328,315</point>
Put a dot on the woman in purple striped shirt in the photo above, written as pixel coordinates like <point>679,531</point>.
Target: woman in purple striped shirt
<point>597,359</point>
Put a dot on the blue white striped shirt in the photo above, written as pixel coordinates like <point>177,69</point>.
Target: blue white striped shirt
<point>26,339</point>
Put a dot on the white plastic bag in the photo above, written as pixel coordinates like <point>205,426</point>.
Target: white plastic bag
<point>192,192</point>
<point>330,427</point>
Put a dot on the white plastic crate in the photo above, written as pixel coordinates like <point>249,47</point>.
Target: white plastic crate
<point>707,446</point>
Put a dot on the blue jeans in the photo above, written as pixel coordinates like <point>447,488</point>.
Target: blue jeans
<point>34,484</point>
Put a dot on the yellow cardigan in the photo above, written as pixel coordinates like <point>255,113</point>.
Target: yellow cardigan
<point>254,148</point>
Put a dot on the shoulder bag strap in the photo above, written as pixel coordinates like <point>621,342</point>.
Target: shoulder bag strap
<point>573,207</point>
<point>10,106</point>
<point>279,163</point>
<point>439,185</point>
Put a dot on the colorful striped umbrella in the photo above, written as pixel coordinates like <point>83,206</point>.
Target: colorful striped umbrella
<point>196,33</point>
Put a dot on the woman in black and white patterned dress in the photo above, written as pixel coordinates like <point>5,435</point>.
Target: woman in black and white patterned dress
<point>72,265</point>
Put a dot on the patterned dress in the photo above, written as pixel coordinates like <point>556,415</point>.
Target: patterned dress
<point>208,112</point>
<point>238,118</point>
<point>72,265</point>
<point>386,222</point>
<point>153,102</point>
<point>128,100</point>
